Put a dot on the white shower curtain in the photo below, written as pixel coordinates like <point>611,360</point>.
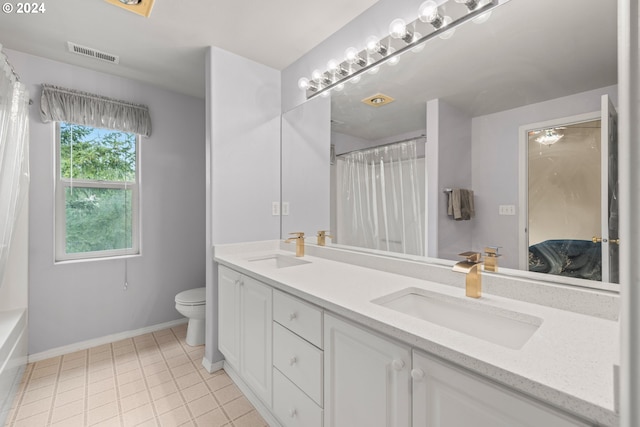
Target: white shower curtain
<point>14,155</point>
<point>380,201</point>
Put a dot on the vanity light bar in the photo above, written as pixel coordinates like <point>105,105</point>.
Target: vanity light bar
<point>359,62</point>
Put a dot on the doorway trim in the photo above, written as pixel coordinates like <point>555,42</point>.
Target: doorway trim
<point>523,173</point>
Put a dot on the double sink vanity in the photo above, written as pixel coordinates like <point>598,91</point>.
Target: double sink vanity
<point>343,338</point>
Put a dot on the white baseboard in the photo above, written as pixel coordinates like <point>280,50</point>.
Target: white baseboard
<point>211,367</point>
<point>84,345</point>
<point>251,397</point>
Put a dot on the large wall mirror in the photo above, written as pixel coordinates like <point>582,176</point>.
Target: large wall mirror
<point>466,111</point>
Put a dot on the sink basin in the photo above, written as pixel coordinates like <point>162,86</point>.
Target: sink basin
<point>504,327</point>
<point>279,261</point>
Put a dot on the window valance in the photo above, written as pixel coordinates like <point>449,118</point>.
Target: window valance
<point>66,105</point>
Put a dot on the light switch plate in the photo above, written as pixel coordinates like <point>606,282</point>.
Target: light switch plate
<point>285,208</point>
<point>507,209</point>
<point>275,208</point>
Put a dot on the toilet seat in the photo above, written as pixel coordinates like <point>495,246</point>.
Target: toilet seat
<point>192,297</point>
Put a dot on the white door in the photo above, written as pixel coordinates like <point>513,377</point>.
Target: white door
<point>229,315</point>
<point>255,337</point>
<point>609,205</point>
<point>367,378</point>
<point>447,397</point>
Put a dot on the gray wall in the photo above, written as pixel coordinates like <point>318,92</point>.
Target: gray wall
<point>243,162</point>
<point>77,301</point>
<point>448,166</point>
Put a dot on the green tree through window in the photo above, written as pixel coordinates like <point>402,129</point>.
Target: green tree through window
<point>98,180</point>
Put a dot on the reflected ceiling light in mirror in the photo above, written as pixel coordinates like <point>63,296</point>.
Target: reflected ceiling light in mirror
<point>398,30</point>
<point>428,12</point>
<point>471,4</point>
<point>305,84</point>
<point>374,46</point>
<point>388,49</point>
<point>549,136</point>
<point>393,59</point>
<point>336,68</point>
<point>352,56</point>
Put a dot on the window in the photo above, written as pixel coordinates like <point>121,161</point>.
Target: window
<point>97,192</point>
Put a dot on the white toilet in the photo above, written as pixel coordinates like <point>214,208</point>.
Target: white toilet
<point>191,304</point>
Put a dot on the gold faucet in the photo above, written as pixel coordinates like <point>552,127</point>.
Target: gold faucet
<point>299,242</point>
<point>322,235</point>
<point>491,258</point>
<point>471,267</point>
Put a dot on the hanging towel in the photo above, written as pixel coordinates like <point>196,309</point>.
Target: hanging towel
<point>461,205</point>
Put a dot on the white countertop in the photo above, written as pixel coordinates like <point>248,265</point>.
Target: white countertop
<point>568,362</point>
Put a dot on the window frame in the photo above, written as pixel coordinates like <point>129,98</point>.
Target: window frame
<point>60,218</point>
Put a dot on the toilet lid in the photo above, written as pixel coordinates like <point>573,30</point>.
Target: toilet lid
<point>192,296</point>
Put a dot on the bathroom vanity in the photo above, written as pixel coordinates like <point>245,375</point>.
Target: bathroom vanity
<point>340,338</point>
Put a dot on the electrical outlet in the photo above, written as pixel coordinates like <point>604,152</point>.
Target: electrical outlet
<point>507,210</point>
<point>275,208</point>
<point>285,208</point>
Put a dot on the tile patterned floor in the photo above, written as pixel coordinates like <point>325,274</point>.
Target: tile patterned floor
<point>149,380</point>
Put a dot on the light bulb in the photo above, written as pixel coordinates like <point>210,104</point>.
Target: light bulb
<point>372,44</point>
<point>397,28</point>
<point>428,11</point>
<point>326,93</point>
<point>352,55</point>
<point>333,66</point>
<point>393,60</point>
<point>355,79</point>
<point>338,87</point>
<point>303,83</point>
<point>316,76</point>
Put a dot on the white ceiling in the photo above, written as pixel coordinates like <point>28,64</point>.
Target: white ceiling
<point>168,48</point>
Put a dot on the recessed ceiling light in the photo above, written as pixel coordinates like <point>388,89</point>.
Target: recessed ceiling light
<point>378,100</point>
<point>141,7</point>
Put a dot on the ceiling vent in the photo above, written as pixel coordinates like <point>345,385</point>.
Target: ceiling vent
<point>92,53</point>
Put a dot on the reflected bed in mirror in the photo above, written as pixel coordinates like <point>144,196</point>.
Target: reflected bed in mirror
<point>470,96</point>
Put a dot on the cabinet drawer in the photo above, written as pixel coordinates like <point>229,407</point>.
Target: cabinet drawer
<point>298,316</point>
<point>300,361</point>
<point>292,407</point>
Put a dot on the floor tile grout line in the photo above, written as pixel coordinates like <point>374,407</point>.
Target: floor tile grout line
<point>144,379</point>
<point>186,404</point>
<point>115,381</point>
<point>20,398</point>
<point>85,415</point>
<point>55,392</point>
<point>197,370</point>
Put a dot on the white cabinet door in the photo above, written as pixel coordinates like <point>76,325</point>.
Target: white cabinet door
<point>367,378</point>
<point>447,397</point>
<point>255,336</point>
<point>229,315</point>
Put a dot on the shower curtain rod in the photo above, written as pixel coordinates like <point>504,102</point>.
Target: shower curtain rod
<point>382,145</point>
<point>13,71</point>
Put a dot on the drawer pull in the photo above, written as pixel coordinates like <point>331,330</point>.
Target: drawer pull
<point>397,364</point>
<point>293,361</point>
<point>417,374</point>
<point>293,316</point>
<point>293,413</point>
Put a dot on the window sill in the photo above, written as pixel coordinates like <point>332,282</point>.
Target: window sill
<point>104,258</point>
